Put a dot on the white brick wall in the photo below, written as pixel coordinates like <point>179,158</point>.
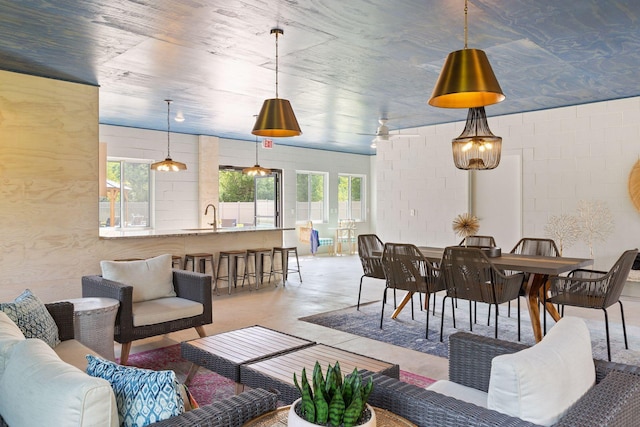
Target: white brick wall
<point>568,154</point>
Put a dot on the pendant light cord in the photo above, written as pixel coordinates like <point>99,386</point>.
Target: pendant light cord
<point>168,127</point>
<point>466,29</point>
<point>277,64</point>
<point>256,151</point>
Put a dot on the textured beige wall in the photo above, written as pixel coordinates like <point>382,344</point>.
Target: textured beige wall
<point>48,184</point>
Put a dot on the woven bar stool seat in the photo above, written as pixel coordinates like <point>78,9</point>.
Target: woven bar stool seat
<point>200,258</point>
<point>284,268</point>
<point>258,272</point>
<point>232,259</point>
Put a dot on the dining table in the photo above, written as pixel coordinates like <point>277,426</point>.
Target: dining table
<point>539,269</point>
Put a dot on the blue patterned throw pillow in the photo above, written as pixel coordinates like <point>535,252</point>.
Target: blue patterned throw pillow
<point>32,317</point>
<point>143,396</point>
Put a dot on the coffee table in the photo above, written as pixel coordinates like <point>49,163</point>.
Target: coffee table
<point>277,372</point>
<point>224,353</point>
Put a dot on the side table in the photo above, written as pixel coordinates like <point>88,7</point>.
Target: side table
<point>93,323</point>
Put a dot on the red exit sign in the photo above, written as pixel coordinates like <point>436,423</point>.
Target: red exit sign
<point>267,143</point>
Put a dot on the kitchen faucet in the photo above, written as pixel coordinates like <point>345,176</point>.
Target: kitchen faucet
<point>215,220</point>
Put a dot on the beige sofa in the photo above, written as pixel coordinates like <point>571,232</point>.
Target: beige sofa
<point>41,386</point>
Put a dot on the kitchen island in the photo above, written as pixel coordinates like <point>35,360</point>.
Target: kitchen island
<point>146,243</point>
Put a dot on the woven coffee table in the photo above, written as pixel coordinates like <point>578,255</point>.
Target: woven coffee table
<point>277,372</point>
<point>224,353</point>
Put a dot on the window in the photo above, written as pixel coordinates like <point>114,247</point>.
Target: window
<point>310,196</point>
<point>127,201</point>
<point>350,197</point>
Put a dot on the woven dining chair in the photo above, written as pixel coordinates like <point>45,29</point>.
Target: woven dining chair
<point>532,246</point>
<point>594,289</point>
<point>482,241</point>
<point>370,249</point>
<point>468,274</point>
<point>407,269</point>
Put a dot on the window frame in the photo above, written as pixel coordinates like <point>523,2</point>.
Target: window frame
<point>349,201</point>
<point>325,198</point>
<point>124,225</point>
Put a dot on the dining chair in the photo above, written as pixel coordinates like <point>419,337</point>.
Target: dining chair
<point>532,246</point>
<point>484,241</point>
<point>370,249</point>
<point>407,269</point>
<point>469,274</point>
<point>594,289</point>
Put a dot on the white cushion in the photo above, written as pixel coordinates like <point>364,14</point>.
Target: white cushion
<point>460,392</point>
<point>539,384</point>
<point>10,334</point>
<point>74,353</point>
<point>151,278</point>
<point>39,389</point>
<point>164,310</point>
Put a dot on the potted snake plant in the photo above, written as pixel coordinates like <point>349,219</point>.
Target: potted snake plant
<point>331,400</point>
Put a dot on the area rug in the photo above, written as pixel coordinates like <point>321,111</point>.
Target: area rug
<point>207,386</point>
<point>410,333</point>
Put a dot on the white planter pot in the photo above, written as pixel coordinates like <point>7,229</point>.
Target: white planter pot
<point>294,420</point>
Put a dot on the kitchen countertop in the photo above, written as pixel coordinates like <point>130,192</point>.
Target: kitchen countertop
<point>110,233</point>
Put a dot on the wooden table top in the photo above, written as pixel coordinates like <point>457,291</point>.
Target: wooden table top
<point>284,366</point>
<point>279,418</point>
<point>247,344</point>
<point>517,262</point>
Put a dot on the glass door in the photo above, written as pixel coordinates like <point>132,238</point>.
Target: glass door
<point>267,193</point>
<point>248,201</point>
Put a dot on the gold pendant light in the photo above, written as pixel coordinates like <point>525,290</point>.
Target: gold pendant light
<point>467,79</point>
<point>276,118</point>
<point>476,148</point>
<point>168,165</point>
<point>256,169</point>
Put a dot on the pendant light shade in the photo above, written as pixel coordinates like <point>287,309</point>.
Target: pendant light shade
<point>467,79</point>
<point>276,118</point>
<point>168,164</point>
<point>476,148</point>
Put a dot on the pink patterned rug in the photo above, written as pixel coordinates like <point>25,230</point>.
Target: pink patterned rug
<point>207,386</point>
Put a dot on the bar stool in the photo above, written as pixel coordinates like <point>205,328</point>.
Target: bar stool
<point>284,262</point>
<point>258,265</point>
<point>176,261</point>
<point>232,267</point>
<point>202,258</point>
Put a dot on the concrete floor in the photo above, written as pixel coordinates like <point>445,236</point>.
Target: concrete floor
<point>331,283</point>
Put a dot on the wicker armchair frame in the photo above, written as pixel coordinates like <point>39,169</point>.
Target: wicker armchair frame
<point>614,400</point>
<point>407,269</point>
<point>369,248</point>
<point>469,275</point>
<point>594,289</point>
<point>187,284</point>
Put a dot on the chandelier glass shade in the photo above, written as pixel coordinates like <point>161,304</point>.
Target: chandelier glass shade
<point>476,148</point>
<point>276,118</point>
<point>467,79</point>
<point>168,164</point>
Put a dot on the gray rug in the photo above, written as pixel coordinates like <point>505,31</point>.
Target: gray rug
<point>408,333</point>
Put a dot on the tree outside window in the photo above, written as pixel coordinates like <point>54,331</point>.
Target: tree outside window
<point>350,197</point>
<point>310,200</point>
